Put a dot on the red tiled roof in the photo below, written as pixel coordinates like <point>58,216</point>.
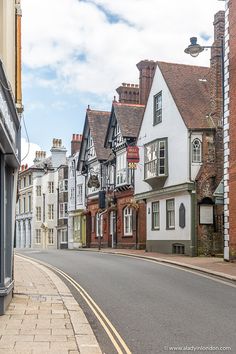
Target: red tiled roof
<point>190,90</point>
<point>129,117</point>
<point>98,123</point>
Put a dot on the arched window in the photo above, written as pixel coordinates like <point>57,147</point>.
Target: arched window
<point>196,151</point>
<point>128,221</point>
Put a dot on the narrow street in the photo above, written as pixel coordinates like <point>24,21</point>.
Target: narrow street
<point>152,306</point>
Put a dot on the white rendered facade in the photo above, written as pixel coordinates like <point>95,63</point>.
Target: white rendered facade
<point>36,216</point>
<point>180,173</point>
<point>76,204</point>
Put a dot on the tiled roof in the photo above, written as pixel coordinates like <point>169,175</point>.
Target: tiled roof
<point>190,88</point>
<point>129,118</point>
<point>98,123</point>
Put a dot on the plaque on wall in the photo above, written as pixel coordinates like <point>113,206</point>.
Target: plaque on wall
<point>206,214</point>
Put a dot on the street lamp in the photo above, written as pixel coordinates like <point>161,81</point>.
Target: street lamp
<point>194,49</point>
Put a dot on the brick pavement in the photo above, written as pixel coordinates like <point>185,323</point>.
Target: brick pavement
<point>43,316</point>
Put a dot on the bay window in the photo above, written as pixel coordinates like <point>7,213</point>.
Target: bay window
<point>155,160</point>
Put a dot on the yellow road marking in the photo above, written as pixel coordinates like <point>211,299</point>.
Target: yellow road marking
<point>102,318</point>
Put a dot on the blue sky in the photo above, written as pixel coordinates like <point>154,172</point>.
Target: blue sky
<point>77,53</point>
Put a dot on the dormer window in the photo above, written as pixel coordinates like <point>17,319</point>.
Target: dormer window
<point>196,151</point>
<point>157,108</point>
<point>118,136</point>
<point>90,149</point>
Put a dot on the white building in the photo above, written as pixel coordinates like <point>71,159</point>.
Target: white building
<point>76,198</point>
<point>177,171</point>
<point>37,206</point>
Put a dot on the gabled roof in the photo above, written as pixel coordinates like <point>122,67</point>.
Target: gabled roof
<point>190,89</point>
<point>129,118</point>
<point>96,122</point>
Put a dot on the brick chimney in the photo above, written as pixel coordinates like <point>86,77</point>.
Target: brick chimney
<point>76,143</point>
<point>128,93</point>
<point>39,156</point>
<point>146,74</point>
<point>216,69</point>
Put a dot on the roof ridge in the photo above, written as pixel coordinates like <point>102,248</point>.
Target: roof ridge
<point>182,64</point>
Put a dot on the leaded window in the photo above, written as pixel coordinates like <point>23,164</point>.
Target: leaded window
<point>196,151</point>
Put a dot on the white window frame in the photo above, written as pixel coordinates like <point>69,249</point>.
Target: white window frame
<point>91,154</point>
<point>128,221</point>
<point>38,213</point>
<point>63,210</point>
<point>63,185</point>
<point>38,191</point>
<point>50,236</point>
<point>121,169</point>
<point>29,203</point>
<point>80,193</point>
<point>38,237</point>
<point>50,187</point>
<point>156,215</point>
<point>50,211</point>
<point>170,214</point>
<point>64,236</point>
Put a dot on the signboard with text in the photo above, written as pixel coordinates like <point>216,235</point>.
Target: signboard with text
<point>132,154</point>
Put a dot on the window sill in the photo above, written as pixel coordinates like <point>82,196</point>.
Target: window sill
<point>127,236</point>
<point>170,228</point>
<point>153,229</point>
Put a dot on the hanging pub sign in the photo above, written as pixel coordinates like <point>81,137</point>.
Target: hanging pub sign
<point>93,181</point>
<point>132,154</point>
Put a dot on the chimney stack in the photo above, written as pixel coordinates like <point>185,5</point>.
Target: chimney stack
<point>146,74</point>
<point>76,143</point>
<point>128,93</point>
<point>39,156</point>
<point>216,66</point>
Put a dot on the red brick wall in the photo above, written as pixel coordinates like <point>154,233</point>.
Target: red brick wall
<point>138,237</point>
<point>91,229</point>
<point>210,237</point>
<point>232,129</point>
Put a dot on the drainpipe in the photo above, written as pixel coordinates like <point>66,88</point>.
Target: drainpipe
<point>193,247</point>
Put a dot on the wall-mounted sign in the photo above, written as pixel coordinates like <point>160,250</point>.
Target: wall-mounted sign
<point>133,154</point>
<point>93,181</point>
<point>6,119</point>
<point>206,214</point>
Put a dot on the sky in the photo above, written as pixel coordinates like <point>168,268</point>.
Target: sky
<point>76,53</point>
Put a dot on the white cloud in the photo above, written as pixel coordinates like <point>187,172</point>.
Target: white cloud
<point>28,152</point>
<point>91,55</point>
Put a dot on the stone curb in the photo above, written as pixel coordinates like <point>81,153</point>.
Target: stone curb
<point>168,261</point>
<point>85,338</point>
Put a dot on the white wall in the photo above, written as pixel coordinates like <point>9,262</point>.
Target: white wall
<point>173,127</point>
<point>178,233</point>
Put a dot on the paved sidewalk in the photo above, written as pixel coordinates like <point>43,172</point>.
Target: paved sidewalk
<point>43,316</point>
<point>211,265</point>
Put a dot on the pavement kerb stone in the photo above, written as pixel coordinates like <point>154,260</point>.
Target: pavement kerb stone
<point>168,261</point>
<point>76,316</point>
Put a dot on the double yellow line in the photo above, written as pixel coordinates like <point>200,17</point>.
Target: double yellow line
<point>112,333</point>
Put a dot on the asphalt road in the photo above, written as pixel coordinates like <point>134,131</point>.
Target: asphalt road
<point>153,306</point>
